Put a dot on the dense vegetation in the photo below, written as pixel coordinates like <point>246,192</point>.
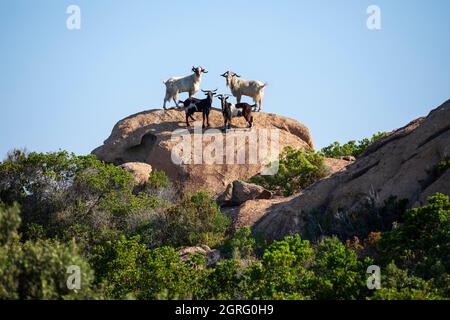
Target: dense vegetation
<point>298,169</point>
<point>351,148</point>
<point>58,210</point>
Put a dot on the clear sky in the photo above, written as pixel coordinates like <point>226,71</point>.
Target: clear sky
<point>62,89</point>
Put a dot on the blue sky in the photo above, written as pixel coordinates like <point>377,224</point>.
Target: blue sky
<point>62,89</point>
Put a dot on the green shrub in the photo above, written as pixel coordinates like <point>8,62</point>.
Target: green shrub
<point>158,179</point>
<point>351,148</point>
<point>241,244</point>
<point>223,282</point>
<point>422,242</point>
<point>397,284</point>
<point>195,219</point>
<point>66,196</point>
<point>339,274</point>
<point>127,269</point>
<point>442,167</point>
<point>298,169</point>
<point>38,269</point>
<point>283,271</point>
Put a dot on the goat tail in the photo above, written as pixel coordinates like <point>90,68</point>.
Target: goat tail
<point>166,82</point>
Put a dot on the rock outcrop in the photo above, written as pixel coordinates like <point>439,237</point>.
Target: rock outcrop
<point>140,171</point>
<point>212,255</point>
<point>238,192</point>
<point>401,165</point>
<point>146,137</point>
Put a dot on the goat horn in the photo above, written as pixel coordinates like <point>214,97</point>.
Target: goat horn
<point>224,74</point>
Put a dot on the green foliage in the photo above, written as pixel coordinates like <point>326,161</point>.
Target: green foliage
<point>298,169</point>
<point>339,272</point>
<point>293,269</point>
<point>223,282</point>
<point>128,269</point>
<point>422,242</point>
<point>194,219</point>
<point>158,179</point>
<point>59,209</point>
<point>240,245</point>
<point>397,284</point>
<point>9,223</point>
<point>43,271</point>
<point>72,196</point>
<point>37,269</point>
<point>282,273</point>
<point>351,148</point>
<point>442,167</point>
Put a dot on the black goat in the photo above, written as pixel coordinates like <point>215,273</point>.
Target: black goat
<point>204,106</point>
<point>230,111</point>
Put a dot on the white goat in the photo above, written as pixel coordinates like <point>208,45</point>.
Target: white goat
<point>241,87</point>
<point>177,85</point>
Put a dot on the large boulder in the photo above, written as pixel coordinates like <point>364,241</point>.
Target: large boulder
<point>140,171</point>
<point>238,192</point>
<point>401,165</point>
<point>212,255</point>
<point>146,137</point>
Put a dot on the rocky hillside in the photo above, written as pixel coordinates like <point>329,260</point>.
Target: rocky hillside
<point>146,137</point>
<point>402,165</point>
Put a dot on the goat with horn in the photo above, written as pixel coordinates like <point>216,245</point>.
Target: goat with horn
<point>177,85</point>
<point>204,106</point>
<point>230,111</point>
<point>241,87</point>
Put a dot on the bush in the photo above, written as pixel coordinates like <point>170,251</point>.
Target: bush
<point>240,245</point>
<point>298,169</point>
<point>283,271</point>
<point>339,274</point>
<point>398,284</point>
<point>351,148</point>
<point>128,269</point>
<point>422,242</point>
<point>195,219</point>
<point>223,282</point>
<point>37,269</point>
<point>157,180</point>
<point>66,196</point>
<point>441,167</point>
